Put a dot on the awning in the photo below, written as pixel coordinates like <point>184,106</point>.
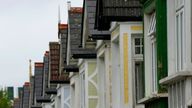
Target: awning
<point>71,68</point>
<point>36,106</point>
<point>43,100</point>
<point>84,54</point>
<point>51,91</point>
<point>59,81</point>
<point>100,35</point>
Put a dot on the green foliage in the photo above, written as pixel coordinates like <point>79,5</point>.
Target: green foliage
<point>4,101</point>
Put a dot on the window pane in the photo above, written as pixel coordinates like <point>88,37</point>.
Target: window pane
<point>152,24</point>
<point>139,76</point>
<point>137,50</point>
<point>137,41</point>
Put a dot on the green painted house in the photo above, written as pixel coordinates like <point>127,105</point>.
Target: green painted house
<point>155,53</point>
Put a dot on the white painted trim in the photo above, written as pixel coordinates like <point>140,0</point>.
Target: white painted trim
<point>115,38</point>
<point>99,44</point>
<point>86,85</point>
<point>175,77</point>
<point>80,62</point>
<point>101,53</point>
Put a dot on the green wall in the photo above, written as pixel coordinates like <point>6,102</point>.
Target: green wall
<point>159,103</point>
<point>161,37</point>
<point>161,31</point>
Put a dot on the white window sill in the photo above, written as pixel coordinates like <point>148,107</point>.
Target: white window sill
<point>152,97</point>
<point>175,77</point>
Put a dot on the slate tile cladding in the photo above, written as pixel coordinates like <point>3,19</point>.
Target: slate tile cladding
<point>38,82</point>
<point>54,59</point>
<point>26,95</point>
<point>75,20</point>
<point>45,71</point>
<point>117,10</point>
<point>63,42</point>
<point>32,90</point>
<point>122,8</point>
<point>91,12</point>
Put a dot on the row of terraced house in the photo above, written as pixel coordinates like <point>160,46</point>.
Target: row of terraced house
<point>117,54</point>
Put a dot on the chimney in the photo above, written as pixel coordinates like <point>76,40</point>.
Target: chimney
<point>69,5</point>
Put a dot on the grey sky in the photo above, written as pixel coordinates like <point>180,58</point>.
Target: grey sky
<point>26,27</point>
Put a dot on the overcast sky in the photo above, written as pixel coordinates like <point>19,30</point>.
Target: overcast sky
<point>26,27</point>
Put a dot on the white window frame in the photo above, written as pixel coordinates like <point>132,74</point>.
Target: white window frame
<point>152,35</point>
<point>180,35</point>
<point>140,45</point>
<point>137,81</point>
<point>154,65</point>
<point>137,58</point>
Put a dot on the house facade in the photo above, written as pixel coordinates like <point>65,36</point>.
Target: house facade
<point>178,81</point>
<point>118,54</point>
<point>127,73</point>
<point>155,53</point>
<point>120,59</point>
<point>73,43</point>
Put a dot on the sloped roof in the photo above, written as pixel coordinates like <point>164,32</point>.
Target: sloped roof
<point>75,20</point>
<point>91,12</point>
<point>76,10</point>
<point>117,10</point>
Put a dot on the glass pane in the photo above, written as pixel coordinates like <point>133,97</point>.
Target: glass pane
<point>137,50</point>
<point>139,76</point>
<point>152,24</point>
<point>137,41</point>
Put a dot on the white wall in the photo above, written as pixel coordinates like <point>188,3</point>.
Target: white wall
<point>116,87</point>
<point>171,36</point>
<point>118,65</point>
<point>74,91</point>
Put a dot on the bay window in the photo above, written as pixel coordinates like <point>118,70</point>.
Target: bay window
<point>180,37</point>
<point>152,35</point>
